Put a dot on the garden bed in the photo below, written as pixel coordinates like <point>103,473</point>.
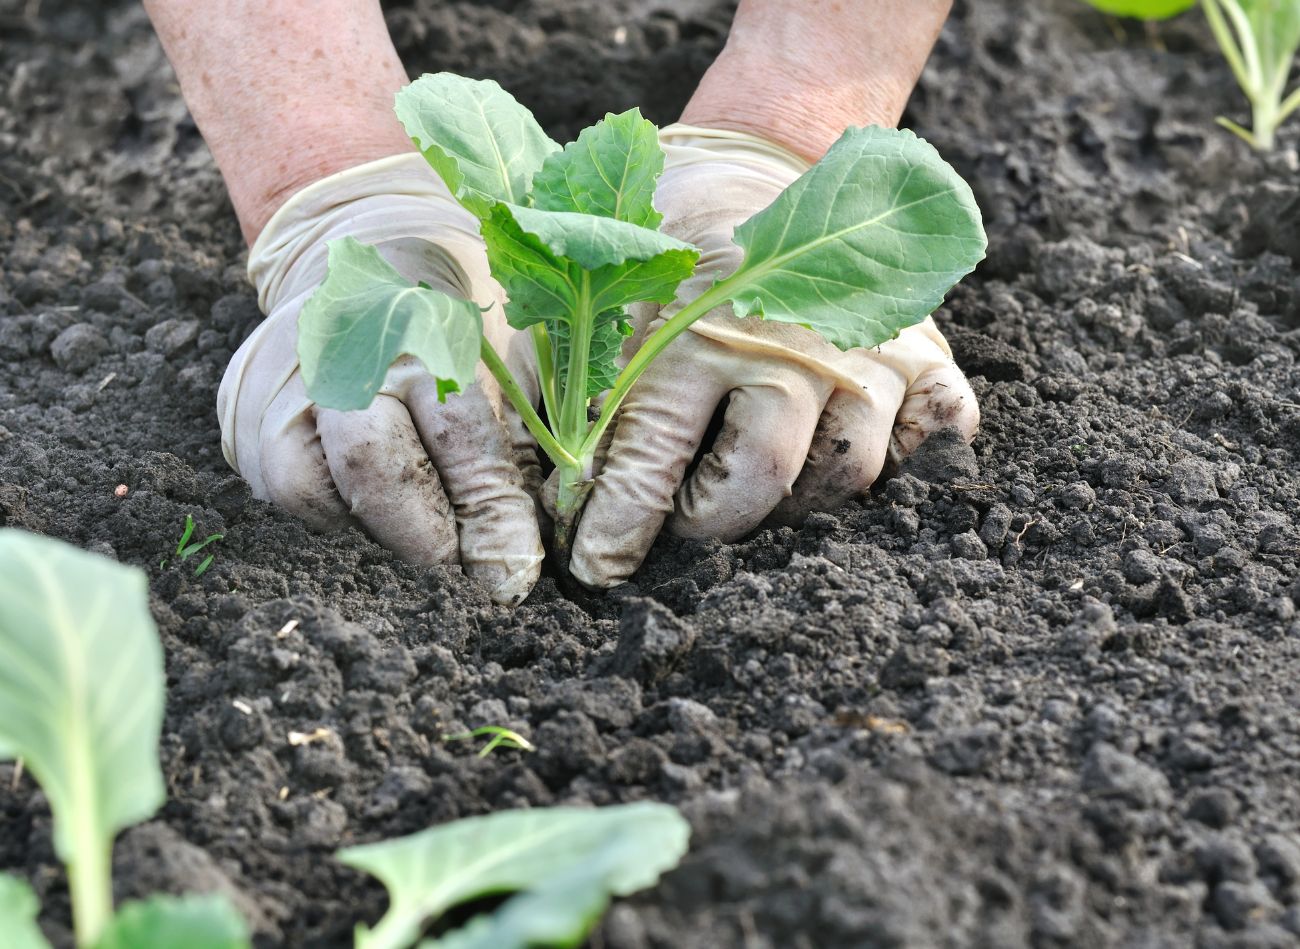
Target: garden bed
<point>1039,692</point>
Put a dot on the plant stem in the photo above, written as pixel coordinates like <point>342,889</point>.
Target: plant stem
<point>393,931</point>
<point>573,409</point>
<point>545,369</point>
<point>654,344</point>
<point>1263,122</point>
<point>90,884</point>
<point>524,407</point>
<point>573,486</point>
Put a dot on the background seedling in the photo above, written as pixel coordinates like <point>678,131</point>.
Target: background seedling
<point>501,737</point>
<point>864,244</point>
<point>1259,39</point>
<point>185,550</point>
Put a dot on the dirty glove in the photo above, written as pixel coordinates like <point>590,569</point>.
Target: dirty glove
<point>434,482</point>
<point>807,426</point>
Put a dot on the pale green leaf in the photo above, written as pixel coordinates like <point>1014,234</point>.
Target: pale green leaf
<point>592,242</point>
<point>1143,9</point>
<point>18,908</point>
<point>365,315</point>
<point>81,695</point>
<point>602,361</point>
<point>484,144</point>
<point>571,859</point>
<point>539,257</point>
<point>864,243</point>
<point>1276,28</point>
<point>532,255</point>
<point>609,171</point>
<point>173,922</point>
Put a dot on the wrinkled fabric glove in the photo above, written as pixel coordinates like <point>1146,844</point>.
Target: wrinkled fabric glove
<point>435,482</point>
<point>807,426</point>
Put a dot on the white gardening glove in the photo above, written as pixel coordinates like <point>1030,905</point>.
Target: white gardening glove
<point>807,426</point>
<point>436,482</point>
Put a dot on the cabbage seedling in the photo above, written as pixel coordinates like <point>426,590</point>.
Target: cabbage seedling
<point>1259,39</point>
<point>867,242</point>
<point>81,704</point>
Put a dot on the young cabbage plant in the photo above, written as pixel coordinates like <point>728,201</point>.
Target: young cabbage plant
<point>562,863</point>
<point>1259,39</point>
<point>81,705</point>
<point>865,243</point>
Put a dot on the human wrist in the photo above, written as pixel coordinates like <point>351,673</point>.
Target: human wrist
<point>798,72</point>
<point>284,91</point>
<point>259,178</point>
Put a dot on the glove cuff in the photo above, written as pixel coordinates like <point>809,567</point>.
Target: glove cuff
<point>692,144</point>
<point>340,204</point>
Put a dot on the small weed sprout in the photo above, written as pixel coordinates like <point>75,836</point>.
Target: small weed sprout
<point>185,550</point>
<point>501,737</point>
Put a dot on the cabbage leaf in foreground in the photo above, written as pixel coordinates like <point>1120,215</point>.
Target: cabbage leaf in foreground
<point>18,908</point>
<point>81,701</point>
<point>564,864</point>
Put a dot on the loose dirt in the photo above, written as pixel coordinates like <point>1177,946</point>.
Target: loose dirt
<point>1042,692</point>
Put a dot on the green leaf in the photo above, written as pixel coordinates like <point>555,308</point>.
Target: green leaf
<point>365,315</point>
<point>171,922</point>
<point>567,861</point>
<point>18,908</point>
<point>864,243</point>
<point>81,701</point>
<point>1276,28</point>
<point>593,242</point>
<point>1143,9</point>
<point>539,258</point>
<point>609,171</point>
<point>602,360</point>
<point>485,145</point>
<point>568,270</point>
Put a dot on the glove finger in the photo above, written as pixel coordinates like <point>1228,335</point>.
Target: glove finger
<point>383,474</point>
<point>500,543</point>
<point>522,361</point>
<point>659,429</point>
<point>847,451</point>
<point>754,461</point>
<point>940,398</point>
<point>289,468</point>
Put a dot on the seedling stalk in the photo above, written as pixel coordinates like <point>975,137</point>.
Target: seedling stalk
<point>573,451</point>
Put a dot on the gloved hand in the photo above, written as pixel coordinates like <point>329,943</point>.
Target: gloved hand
<point>807,426</point>
<point>434,482</point>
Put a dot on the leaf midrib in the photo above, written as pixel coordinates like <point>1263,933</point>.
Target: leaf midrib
<point>763,268</point>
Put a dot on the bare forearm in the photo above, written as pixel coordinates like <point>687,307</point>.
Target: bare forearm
<point>284,91</point>
<point>799,72</point>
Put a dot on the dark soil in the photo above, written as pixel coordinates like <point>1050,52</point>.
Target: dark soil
<point>1042,693</point>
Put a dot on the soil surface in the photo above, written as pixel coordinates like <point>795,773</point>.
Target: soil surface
<point>1042,692</point>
